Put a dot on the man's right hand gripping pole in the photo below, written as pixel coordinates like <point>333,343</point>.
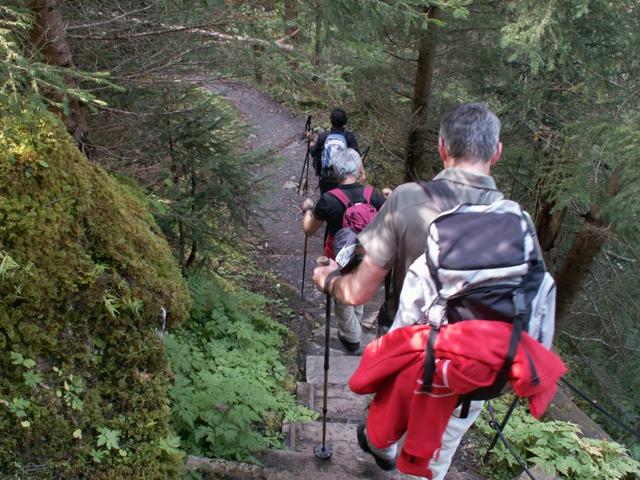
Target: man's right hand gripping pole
<point>324,268</point>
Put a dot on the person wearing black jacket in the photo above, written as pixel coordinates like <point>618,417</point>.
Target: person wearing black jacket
<point>330,210</point>
<point>338,119</point>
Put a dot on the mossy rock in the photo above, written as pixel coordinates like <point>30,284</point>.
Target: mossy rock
<point>84,275</point>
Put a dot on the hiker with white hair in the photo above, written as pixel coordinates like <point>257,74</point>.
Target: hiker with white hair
<point>350,202</point>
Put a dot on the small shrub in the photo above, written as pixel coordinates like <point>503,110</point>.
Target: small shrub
<point>557,447</point>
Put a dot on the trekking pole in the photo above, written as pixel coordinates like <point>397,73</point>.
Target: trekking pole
<point>305,164</point>
<point>306,182</point>
<point>503,424</point>
<point>324,451</point>
<point>364,155</point>
<point>304,266</point>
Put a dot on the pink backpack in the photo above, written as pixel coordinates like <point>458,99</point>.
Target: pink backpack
<point>357,216</point>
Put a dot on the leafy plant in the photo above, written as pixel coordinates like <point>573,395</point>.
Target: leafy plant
<point>230,395</point>
<point>18,359</point>
<point>31,378</point>
<point>19,406</point>
<point>70,389</point>
<point>557,447</point>
<point>108,438</point>
<point>110,304</point>
<point>170,445</point>
<point>7,265</point>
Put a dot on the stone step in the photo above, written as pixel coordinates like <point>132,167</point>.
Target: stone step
<point>318,334</point>
<point>318,350</point>
<point>347,458</point>
<point>337,468</point>
<point>335,345</point>
<point>342,404</point>
<point>276,465</point>
<point>369,320</point>
<point>340,368</point>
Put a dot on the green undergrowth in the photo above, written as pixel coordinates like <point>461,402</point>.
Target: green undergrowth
<point>556,446</point>
<point>84,274</point>
<point>232,388</point>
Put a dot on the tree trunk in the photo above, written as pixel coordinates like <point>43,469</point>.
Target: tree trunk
<point>578,262</point>
<point>257,66</point>
<point>317,60</point>
<point>49,36</point>
<point>290,18</point>
<point>548,219</point>
<point>549,224</point>
<point>416,142</point>
<point>548,228</point>
<point>194,191</point>
<point>585,249</point>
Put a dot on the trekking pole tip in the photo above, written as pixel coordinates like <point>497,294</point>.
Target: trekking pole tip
<point>323,452</point>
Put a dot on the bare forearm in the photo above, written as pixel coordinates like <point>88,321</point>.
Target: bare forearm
<point>348,292</point>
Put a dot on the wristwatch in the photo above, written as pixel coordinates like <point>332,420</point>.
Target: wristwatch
<point>327,281</point>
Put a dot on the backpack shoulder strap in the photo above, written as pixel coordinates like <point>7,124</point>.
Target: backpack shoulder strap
<point>442,195</point>
<point>338,134</point>
<point>367,194</point>
<point>340,195</point>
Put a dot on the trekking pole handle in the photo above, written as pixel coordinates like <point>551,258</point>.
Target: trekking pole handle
<point>323,261</point>
<point>307,125</point>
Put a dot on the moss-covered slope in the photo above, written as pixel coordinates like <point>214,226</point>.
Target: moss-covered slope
<point>84,274</point>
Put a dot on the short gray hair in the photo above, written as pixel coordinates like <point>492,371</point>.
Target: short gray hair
<point>346,161</point>
<point>470,131</point>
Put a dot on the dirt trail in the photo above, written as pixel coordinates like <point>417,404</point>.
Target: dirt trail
<point>276,129</point>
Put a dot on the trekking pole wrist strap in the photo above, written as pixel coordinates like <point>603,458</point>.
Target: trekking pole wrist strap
<point>328,280</point>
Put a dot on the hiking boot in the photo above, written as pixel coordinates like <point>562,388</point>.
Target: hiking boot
<point>351,346</point>
<point>386,465</point>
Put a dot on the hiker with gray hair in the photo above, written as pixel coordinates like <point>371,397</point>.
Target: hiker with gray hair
<point>331,209</point>
<point>469,147</point>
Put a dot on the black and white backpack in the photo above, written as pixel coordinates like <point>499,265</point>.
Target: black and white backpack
<point>335,141</point>
<point>482,262</point>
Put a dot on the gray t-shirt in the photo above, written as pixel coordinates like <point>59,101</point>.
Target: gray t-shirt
<point>398,234</point>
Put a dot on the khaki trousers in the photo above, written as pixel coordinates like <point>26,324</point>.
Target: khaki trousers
<point>349,317</point>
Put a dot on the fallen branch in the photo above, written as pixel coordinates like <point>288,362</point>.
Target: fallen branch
<point>197,29</point>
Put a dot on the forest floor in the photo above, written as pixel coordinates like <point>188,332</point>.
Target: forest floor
<point>279,243</point>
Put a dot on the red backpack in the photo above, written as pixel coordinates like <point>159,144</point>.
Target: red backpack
<point>357,216</point>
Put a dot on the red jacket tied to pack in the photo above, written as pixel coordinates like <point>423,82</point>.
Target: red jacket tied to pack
<point>392,368</point>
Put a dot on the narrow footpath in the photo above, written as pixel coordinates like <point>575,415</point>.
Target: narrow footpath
<point>279,132</point>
